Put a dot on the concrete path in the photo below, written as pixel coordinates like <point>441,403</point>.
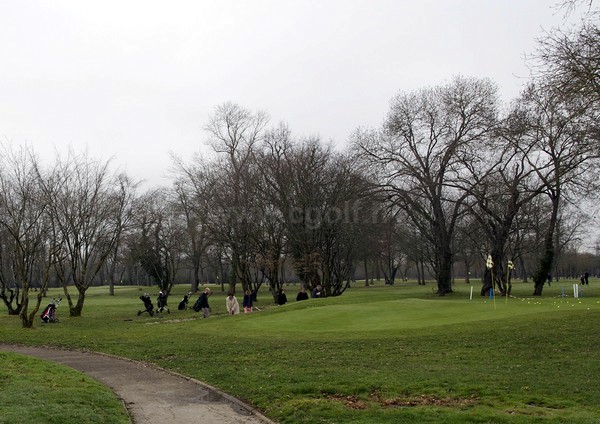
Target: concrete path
<point>151,394</point>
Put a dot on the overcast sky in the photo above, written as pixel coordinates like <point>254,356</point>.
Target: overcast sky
<point>135,80</point>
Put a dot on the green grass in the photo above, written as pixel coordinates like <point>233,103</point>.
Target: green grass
<point>34,391</point>
<point>374,355</point>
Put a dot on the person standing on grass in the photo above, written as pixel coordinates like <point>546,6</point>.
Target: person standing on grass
<point>203,303</point>
<point>247,302</point>
<point>281,297</point>
<point>233,307</point>
<point>586,278</point>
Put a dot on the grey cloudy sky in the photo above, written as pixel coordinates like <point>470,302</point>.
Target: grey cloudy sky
<point>135,80</point>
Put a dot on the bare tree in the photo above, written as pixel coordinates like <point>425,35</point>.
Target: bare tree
<point>349,206</point>
<point>124,198</point>
<point>161,238</point>
<point>394,242</point>
<point>319,208</point>
<point>568,61</point>
<point>500,181</point>
<point>275,163</point>
<point>26,233</point>
<point>561,145</point>
<point>570,230</point>
<point>234,133</point>
<point>417,155</point>
<point>194,188</point>
<point>86,204</point>
<point>469,243</point>
<point>564,101</point>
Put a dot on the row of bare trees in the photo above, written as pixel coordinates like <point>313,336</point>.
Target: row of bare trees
<point>451,175</point>
<point>267,199</point>
<point>449,155</point>
<point>445,175</point>
<point>62,221</point>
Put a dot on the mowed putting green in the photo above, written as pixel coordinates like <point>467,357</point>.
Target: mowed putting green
<point>379,317</point>
<point>374,355</point>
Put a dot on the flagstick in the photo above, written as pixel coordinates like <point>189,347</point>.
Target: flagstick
<point>509,267</point>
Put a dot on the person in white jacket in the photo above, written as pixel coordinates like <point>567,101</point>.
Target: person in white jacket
<point>233,307</point>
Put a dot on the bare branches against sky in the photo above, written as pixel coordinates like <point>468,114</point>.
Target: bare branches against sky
<point>138,79</point>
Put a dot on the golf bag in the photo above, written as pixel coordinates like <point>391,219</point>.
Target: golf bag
<point>147,304</point>
<point>198,305</point>
<point>183,304</point>
<point>161,303</point>
<point>49,313</point>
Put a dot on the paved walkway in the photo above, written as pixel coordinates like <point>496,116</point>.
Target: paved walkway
<point>151,394</point>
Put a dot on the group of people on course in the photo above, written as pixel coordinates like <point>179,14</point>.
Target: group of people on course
<point>233,306</point>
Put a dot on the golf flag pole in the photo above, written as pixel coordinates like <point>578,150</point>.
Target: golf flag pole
<point>510,266</point>
<point>490,264</point>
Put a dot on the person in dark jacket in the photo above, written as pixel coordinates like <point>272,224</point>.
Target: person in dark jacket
<point>281,297</point>
<point>247,302</point>
<point>302,295</point>
<point>202,303</point>
<point>316,293</point>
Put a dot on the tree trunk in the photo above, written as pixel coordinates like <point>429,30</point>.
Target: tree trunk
<point>8,301</point>
<point>444,273</point>
<point>501,276</point>
<point>196,280</point>
<point>28,318</point>
<point>545,266</point>
<point>75,310</point>
<point>487,282</point>
<point>523,270</point>
<point>541,276</point>
<point>26,322</point>
<point>391,279</point>
<point>467,272</point>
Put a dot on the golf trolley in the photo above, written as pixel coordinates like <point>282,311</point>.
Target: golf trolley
<point>149,307</point>
<point>161,303</point>
<point>49,313</point>
<point>184,302</point>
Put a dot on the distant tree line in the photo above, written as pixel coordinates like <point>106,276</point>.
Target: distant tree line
<point>450,177</point>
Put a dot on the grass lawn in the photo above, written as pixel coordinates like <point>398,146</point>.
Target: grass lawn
<point>374,355</point>
<point>37,391</point>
